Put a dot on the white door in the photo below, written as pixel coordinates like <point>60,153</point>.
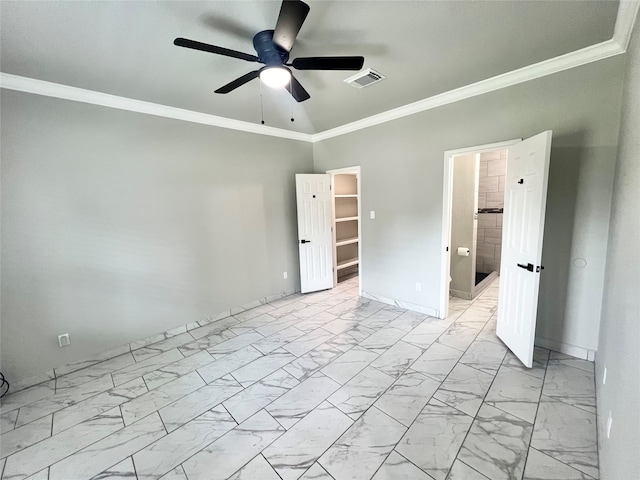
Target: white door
<point>523,227</point>
<point>315,243</point>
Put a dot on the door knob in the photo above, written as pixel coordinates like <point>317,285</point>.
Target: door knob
<point>528,266</point>
<point>305,241</point>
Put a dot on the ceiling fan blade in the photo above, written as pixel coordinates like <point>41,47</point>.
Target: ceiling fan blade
<point>290,20</point>
<point>238,82</point>
<point>328,63</point>
<point>297,91</point>
<point>205,47</point>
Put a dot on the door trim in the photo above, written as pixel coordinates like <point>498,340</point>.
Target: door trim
<point>356,170</point>
<point>445,259</point>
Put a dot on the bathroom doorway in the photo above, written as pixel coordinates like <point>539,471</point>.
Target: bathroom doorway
<point>475,178</point>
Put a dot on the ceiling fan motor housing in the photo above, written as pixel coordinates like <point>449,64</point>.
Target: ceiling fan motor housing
<point>268,52</point>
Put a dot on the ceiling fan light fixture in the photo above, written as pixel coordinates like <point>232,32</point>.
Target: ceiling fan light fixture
<point>275,77</point>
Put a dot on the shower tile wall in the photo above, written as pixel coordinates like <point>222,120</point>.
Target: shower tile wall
<point>490,195</point>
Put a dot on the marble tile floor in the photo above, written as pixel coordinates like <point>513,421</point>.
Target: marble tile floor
<point>319,386</point>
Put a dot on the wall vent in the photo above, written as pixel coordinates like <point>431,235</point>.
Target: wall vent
<point>365,78</point>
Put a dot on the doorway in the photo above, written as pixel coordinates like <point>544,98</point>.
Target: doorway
<point>472,220</point>
<point>346,226</point>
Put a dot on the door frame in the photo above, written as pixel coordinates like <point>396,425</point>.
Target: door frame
<point>357,171</point>
<point>445,264</point>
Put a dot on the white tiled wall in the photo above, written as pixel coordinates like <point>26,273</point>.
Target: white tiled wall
<point>490,195</point>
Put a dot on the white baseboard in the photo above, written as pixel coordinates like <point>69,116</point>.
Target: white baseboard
<point>567,349</point>
<point>21,384</point>
<point>402,304</point>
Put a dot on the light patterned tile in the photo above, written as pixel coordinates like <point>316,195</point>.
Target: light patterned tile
<point>497,456</point>
<point>258,468</point>
<point>121,471</point>
<point>236,343</point>
<point>462,471</point>
<point>437,362</point>
<point>261,367</point>
<point>231,452</point>
<point>293,453</point>
<point>348,365</point>
<point>168,452</point>
<point>396,467</point>
<point>93,406</point>
<point>177,369</point>
<point>383,339</point>
<point>567,434</point>
<point>247,402</point>
<point>407,397</point>
<point>190,406</point>
<point>149,365</point>
<point>25,436</point>
<point>464,389</point>
<point>571,385</point>
<point>515,393</point>
<point>53,449</point>
<point>485,356</point>
<point>361,391</point>
<point>62,399</point>
<point>364,447</point>
<point>97,457</point>
<point>8,421</point>
<point>543,467</point>
<point>154,400</point>
<point>432,442</point>
<point>298,402</point>
<point>228,364</point>
<point>397,359</point>
<point>310,363</point>
<point>308,341</point>
<point>316,472</point>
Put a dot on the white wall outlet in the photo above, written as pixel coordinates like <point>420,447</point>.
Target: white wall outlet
<point>64,340</point>
<point>284,275</point>
<point>372,214</point>
<point>604,375</point>
<point>609,423</point>
<point>418,287</point>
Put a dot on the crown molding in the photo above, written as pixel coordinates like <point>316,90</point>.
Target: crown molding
<point>627,14</point>
<point>56,90</point>
<point>626,17</point>
<point>586,55</point>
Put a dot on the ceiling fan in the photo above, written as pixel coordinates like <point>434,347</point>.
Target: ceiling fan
<point>273,48</point>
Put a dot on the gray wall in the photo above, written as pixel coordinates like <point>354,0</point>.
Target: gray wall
<point>619,347</point>
<point>117,226</point>
<point>402,179</point>
<point>463,225</point>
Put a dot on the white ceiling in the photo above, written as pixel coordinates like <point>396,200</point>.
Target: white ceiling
<point>423,47</point>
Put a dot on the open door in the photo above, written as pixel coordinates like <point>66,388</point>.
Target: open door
<point>315,240</point>
<point>523,228</point>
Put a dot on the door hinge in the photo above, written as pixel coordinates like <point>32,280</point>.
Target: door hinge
<point>447,249</point>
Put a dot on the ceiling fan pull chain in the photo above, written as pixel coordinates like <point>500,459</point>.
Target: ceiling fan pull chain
<point>261,106</point>
<point>291,90</point>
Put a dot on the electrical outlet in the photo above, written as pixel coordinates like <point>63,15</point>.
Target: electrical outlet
<point>604,375</point>
<point>372,214</point>
<point>284,275</point>
<point>64,340</point>
<point>609,423</point>
<point>418,287</point>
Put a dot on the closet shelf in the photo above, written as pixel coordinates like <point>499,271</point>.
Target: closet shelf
<point>346,241</point>
<point>349,262</point>
<point>346,219</point>
<point>355,195</point>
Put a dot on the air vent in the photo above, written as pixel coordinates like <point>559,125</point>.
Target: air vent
<point>365,78</point>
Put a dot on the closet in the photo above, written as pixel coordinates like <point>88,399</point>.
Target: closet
<point>345,225</point>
